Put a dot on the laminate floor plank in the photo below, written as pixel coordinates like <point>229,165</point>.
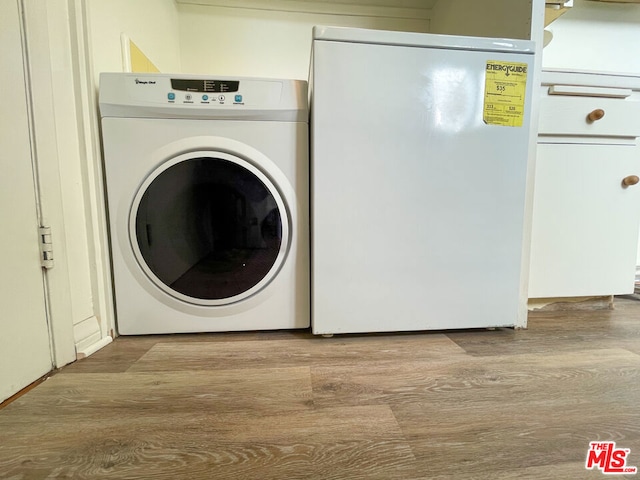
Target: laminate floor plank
<point>357,442</point>
<point>117,357</point>
<point>555,471</point>
<point>258,390</point>
<point>295,352</point>
<point>120,355</point>
<point>468,441</point>
<point>573,377</point>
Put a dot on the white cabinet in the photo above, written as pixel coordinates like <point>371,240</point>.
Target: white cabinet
<point>585,219</point>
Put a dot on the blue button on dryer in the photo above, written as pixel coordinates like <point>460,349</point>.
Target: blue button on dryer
<point>205,97</point>
<point>171,96</point>
<point>238,98</point>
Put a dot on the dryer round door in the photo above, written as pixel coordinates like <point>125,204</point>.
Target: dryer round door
<point>209,228</point>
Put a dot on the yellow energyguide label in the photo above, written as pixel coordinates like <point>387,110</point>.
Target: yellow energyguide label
<point>504,92</point>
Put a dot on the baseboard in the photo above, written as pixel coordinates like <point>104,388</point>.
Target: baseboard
<point>570,303</point>
<point>88,337</point>
<point>93,348</point>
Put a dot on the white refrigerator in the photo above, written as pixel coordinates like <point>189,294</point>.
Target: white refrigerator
<point>419,163</point>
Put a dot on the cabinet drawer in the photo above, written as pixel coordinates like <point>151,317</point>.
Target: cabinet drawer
<point>569,115</point>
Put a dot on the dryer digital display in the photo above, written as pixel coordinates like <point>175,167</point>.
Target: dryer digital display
<point>213,86</point>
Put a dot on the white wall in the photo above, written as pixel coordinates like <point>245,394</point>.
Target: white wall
<point>151,24</point>
<point>599,36</point>
<point>246,42</point>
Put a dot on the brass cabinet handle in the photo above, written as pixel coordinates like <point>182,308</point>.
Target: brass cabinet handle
<point>596,115</point>
<point>630,180</point>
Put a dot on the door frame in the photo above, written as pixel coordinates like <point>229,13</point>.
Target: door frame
<point>66,146</point>
<point>89,131</point>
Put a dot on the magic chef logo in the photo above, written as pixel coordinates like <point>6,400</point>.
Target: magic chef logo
<point>145,82</point>
<point>508,69</point>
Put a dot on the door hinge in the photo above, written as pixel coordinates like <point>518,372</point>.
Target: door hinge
<point>46,247</point>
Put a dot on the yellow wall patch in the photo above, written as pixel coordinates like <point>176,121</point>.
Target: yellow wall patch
<point>139,61</point>
<point>504,92</point>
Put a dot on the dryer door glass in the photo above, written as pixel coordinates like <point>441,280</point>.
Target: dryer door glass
<point>210,229</point>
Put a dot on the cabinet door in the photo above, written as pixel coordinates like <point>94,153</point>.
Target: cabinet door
<point>585,223</point>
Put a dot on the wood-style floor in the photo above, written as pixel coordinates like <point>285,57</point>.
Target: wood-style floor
<point>482,404</point>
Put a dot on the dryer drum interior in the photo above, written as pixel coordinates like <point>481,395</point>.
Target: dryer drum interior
<point>209,228</point>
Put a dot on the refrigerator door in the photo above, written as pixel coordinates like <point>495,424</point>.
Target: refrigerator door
<point>418,187</point>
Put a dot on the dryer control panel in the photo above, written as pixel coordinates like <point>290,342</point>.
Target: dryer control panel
<point>208,92</point>
<point>177,95</point>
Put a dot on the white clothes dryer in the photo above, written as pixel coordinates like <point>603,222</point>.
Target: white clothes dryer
<point>207,193</point>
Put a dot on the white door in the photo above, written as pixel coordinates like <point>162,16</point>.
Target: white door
<point>25,352</point>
